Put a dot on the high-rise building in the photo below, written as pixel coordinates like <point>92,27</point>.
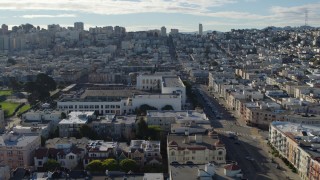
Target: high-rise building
<point>53,27</point>
<point>163,31</point>
<point>174,31</point>
<point>79,26</point>
<point>4,29</point>
<point>200,29</point>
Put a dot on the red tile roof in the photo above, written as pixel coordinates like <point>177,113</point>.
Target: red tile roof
<point>232,167</point>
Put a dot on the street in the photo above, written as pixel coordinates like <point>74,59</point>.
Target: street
<point>247,147</point>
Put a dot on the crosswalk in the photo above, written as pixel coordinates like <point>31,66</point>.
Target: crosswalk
<point>237,133</point>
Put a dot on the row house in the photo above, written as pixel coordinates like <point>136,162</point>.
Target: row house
<point>142,151</point>
<point>68,158</point>
<point>245,94</point>
<point>150,152</point>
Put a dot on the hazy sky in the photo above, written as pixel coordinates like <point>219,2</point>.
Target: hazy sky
<point>185,15</point>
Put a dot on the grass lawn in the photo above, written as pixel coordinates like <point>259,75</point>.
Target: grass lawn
<point>9,107</point>
<point>5,92</point>
<point>24,108</point>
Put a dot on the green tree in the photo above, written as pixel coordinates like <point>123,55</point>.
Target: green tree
<point>142,128</point>
<point>86,131</point>
<point>40,89</point>
<point>167,107</point>
<point>95,166</point>
<point>43,141</point>
<point>154,132</point>
<point>110,164</point>
<point>144,108</point>
<point>14,84</point>
<point>11,61</point>
<point>46,82</point>
<point>128,165</point>
<point>63,115</point>
<point>51,165</point>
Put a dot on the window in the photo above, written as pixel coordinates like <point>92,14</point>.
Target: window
<point>106,106</point>
<point>91,106</point>
<point>70,106</point>
<point>96,106</point>
<point>39,163</point>
<point>86,106</point>
<point>220,153</point>
<point>117,106</point>
<point>172,153</point>
<point>193,152</point>
<point>71,157</point>
<point>80,106</point>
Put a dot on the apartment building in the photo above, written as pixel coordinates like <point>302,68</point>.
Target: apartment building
<point>67,151</point>
<point>197,149</point>
<point>17,150</point>
<point>115,127</point>
<point>70,126</point>
<point>145,152</point>
<point>299,144</point>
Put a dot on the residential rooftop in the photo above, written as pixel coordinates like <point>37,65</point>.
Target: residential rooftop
<point>18,140</point>
<point>194,142</point>
<point>81,143</point>
<point>181,116</point>
<point>179,172</point>
<point>306,136</point>
<point>76,117</point>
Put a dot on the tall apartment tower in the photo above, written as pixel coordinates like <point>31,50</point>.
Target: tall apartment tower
<point>79,26</point>
<point>4,29</point>
<point>200,29</point>
<point>163,31</point>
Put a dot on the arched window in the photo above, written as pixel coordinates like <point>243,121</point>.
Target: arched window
<point>172,153</point>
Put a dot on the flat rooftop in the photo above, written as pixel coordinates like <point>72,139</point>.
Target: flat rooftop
<point>112,93</point>
<point>172,81</point>
<point>77,117</point>
<point>179,115</point>
<point>184,172</point>
<point>17,140</point>
<point>156,96</point>
<point>81,143</point>
<point>307,136</point>
<point>189,142</point>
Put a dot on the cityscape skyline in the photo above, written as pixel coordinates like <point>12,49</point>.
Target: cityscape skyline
<point>183,15</point>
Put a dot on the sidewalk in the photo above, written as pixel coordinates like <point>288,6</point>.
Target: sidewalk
<point>255,132</point>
